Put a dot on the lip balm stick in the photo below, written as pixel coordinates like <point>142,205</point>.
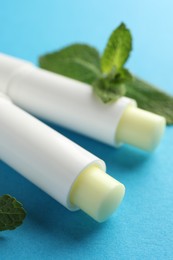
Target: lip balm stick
<point>63,169</point>
<point>72,104</point>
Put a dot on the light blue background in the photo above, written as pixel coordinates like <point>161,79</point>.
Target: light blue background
<point>142,228</point>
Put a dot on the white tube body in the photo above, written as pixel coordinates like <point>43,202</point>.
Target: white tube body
<point>64,101</point>
<point>45,157</point>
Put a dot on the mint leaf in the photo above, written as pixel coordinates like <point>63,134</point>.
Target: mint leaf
<point>117,50</point>
<point>78,61</point>
<point>11,213</point>
<point>108,90</point>
<point>150,98</point>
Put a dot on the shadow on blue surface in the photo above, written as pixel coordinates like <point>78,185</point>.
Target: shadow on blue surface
<point>130,158</point>
<point>59,223</point>
<point>2,239</point>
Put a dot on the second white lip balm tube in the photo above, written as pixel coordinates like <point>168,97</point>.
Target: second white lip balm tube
<point>72,104</point>
<point>63,169</point>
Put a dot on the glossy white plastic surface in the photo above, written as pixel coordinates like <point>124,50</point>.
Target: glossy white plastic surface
<point>61,100</point>
<point>45,157</point>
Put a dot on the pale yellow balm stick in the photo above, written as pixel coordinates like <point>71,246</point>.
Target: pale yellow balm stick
<point>140,128</point>
<point>97,193</point>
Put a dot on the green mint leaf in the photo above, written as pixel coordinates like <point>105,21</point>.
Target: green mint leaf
<point>117,50</point>
<point>150,98</point>
<point>11,213</point>
<point>77,61</point>
<point>108,90</point>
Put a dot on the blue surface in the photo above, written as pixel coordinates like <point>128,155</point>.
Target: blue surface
<point>142,228</point>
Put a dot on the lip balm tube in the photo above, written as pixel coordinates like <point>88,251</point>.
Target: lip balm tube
<point>63,169</point>
<point>73,105</point>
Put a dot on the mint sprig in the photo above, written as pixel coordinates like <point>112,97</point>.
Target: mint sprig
<point>12,213</point>
<point>106,73</point>
<point>109,89</point>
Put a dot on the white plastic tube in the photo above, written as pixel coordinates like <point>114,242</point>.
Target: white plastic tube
<point>63,169</point>
<point>72,104</point>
